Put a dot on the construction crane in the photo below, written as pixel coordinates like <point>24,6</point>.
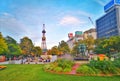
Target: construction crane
<point>91,21</point>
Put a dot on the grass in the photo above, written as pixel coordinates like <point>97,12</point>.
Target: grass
<point>36,73</point>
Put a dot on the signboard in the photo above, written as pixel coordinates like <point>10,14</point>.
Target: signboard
<point>109,5</point>
<point>78,33</point>
<point>70,35</point>
<point>117,1</point>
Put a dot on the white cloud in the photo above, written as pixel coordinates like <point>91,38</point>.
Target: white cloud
<point>31,16</point>
<point>7,21</point>
<point>83,13</point>
<point>101,2</point>
<point>6,14</point>
<point>70,20</point>
<point>10,25</point>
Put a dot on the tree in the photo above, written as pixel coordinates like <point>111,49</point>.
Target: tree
<point>13,47</point>
<point>114,43</point>
<point>49,52</point>
<point>3,45</point>
<point>108,46</point>
<point>10,40</point>
<point>55,50</point>
<point>102,47</point>
<point>26,45</point>
<point>37,50</point>
<point>63,47</point>
<point>75,49</point>
<point>90,43</point>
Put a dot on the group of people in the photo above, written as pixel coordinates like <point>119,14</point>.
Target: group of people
<point>28,60</point>
<point>36,60</point>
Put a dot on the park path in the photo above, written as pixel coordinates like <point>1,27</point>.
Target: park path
<point>74,68</point>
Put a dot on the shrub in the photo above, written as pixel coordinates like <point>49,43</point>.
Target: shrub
<point>65,63</point>
<point>46,67</point>
<point>117,62</point>
<point>50,66</point>
<point>104,66</point>
<point>86,70</point>
<point>67,70</point>
<point>58,69</point>
<point>59,65</point>
<point>97,71</point>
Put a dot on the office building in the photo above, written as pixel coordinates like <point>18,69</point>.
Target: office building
<point>109,24</point>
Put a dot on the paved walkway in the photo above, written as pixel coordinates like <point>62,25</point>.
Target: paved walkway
<point>74,68</point>
<point>76,65</point>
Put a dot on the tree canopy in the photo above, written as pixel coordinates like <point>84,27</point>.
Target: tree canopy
<point>63,47</point>
<point>107,46</point>
<point>26,45</point>
<point>90,43</point>
<point>13,47</point>
<point>54,50</point>
<point>3,45</point>
<point>36,50</point>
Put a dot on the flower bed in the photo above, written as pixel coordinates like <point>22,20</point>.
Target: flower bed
<point>99,68</point>
<point>94,68</point>
<point>2,67</point>
<point>61,65</point>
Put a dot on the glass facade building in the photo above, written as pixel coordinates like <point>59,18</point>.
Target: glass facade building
<point>109,24</point>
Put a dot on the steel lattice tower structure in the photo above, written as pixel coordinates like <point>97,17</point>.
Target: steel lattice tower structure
<point>43,44</point>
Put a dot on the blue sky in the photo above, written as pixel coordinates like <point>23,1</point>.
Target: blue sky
<point>19,18</point>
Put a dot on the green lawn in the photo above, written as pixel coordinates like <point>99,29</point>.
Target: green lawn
<point>35,73</point>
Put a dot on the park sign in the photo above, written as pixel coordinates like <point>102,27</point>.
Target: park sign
<point>111,4</point>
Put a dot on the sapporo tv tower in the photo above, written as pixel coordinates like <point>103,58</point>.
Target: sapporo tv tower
<point>43,44</point>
